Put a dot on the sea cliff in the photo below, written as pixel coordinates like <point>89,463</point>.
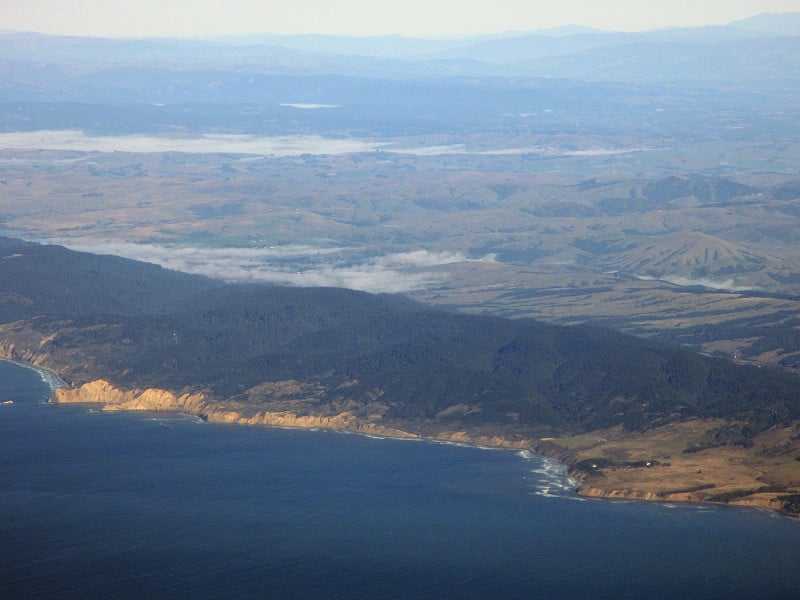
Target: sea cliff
<point>641,468</point>
<point>112,398</point>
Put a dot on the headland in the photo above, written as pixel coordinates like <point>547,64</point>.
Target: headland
<point>653,465</point>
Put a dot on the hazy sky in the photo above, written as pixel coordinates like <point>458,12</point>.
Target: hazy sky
<point>365,17</point>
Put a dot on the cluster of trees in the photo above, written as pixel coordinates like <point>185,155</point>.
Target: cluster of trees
<point>143,326</point>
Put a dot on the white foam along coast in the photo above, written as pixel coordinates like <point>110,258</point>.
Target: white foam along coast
<point>47,376</point>
<point>552,480</point>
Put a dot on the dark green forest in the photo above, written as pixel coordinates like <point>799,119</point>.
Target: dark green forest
<point>140,325</point>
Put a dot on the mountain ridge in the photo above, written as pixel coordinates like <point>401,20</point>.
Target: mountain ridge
<point>227,339</point>
<point>662,55</point>
<point>385,365</point>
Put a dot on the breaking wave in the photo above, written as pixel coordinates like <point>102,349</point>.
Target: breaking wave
<point>551,479</point>
<point>52,380</point>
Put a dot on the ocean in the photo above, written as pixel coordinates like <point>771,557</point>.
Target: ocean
<point>122,505</point>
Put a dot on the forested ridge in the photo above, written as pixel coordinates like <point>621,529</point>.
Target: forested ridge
<point>139,325</point>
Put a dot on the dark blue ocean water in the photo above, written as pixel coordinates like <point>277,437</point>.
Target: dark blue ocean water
<point>99,505</point>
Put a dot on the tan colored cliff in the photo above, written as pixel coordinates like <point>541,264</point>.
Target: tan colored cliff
<point>722,469</point>
<point>102,392</point>
<point>627,494</point>
<point>111,398</point>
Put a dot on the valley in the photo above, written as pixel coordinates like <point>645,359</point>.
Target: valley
<point>697,256</point>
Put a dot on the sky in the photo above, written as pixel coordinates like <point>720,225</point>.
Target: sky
<point>419,18</point>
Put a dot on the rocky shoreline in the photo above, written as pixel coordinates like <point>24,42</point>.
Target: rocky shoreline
<point>112,399</point>
<point>619,480</point>
<point>725,475</point>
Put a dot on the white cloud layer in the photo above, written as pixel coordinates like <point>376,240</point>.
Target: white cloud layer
<point>728,285</point>
<point>296,265</point>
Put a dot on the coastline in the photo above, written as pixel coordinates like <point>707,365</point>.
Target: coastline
<point>166,473</point>
<point>101,392</point>
<point>679,481</point>
<point>48,376</point>
<point>651,466</point>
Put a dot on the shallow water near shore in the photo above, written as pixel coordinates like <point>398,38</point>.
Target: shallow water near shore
<point>107,505</point>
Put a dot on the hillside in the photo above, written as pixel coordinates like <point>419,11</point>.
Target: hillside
<point>141,326</point>
<point>633,418</point>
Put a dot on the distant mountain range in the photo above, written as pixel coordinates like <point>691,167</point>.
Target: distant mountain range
<point>740,75</point>
<point>763,48</point>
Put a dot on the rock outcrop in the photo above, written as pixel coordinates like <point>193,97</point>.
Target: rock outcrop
<point>112,398</point>
<point>198,404</point>
<point>629,486</point>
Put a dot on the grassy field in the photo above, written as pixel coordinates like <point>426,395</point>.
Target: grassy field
<point>655,465</point>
